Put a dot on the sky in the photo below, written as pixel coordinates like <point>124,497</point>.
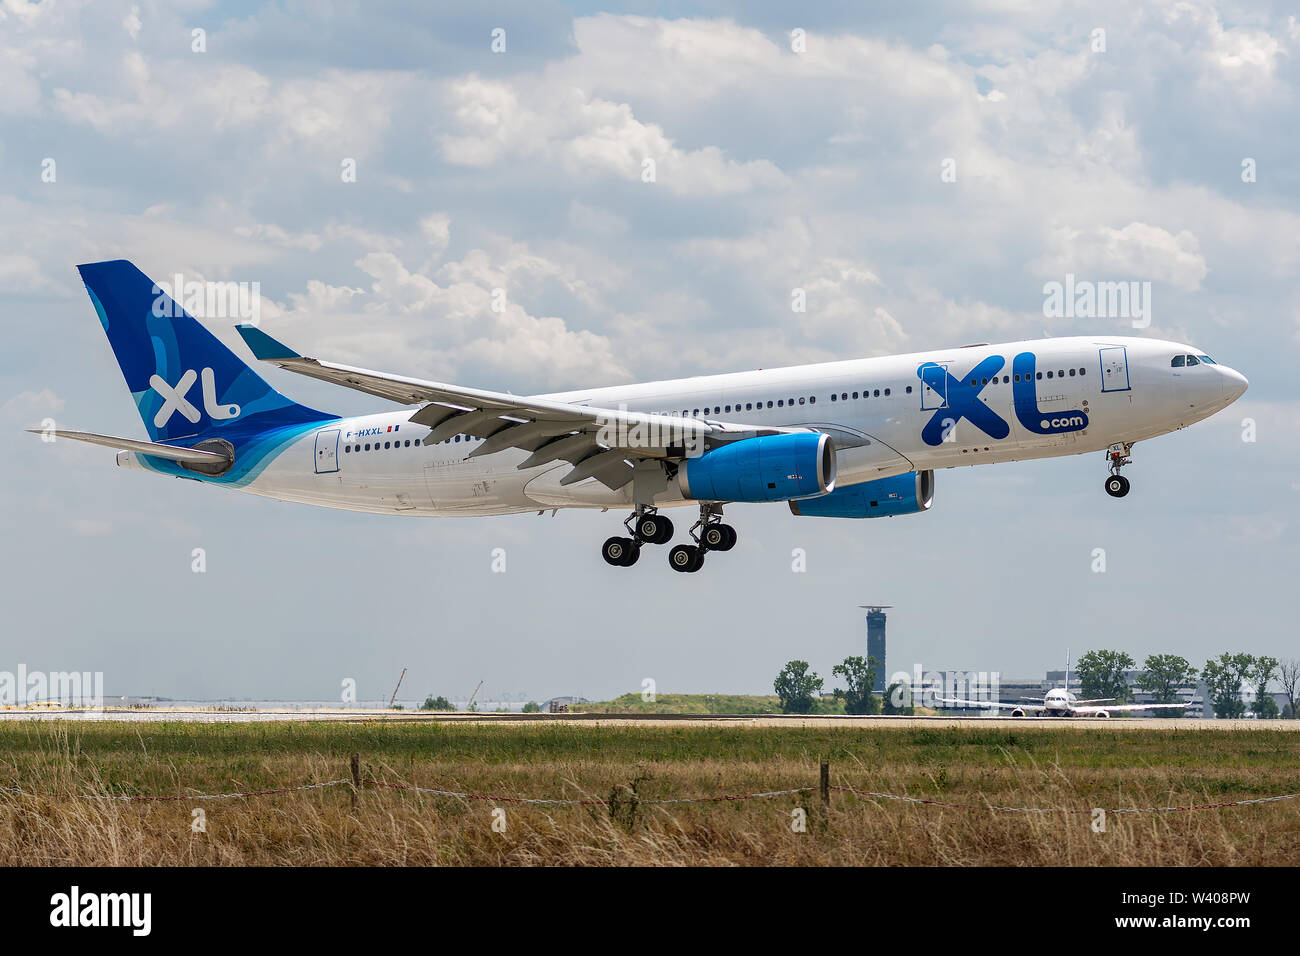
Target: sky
<point>921,171</point>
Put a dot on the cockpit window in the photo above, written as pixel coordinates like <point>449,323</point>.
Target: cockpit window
<point>1206,359</point>
<point>1178,362</point>
<point>1192,360</point>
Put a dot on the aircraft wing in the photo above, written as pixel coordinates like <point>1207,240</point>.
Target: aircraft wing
<point>1114,707</point>
<point>598,442</point>
<point>988,703</point>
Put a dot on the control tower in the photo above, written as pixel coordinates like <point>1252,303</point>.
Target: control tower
<point>876,642</point>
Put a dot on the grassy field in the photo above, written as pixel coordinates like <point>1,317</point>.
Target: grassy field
<point>1039,766</point>
<point>693,704</point>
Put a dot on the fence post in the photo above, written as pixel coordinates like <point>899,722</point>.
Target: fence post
<point>826,783</point>
<point>356,781</point>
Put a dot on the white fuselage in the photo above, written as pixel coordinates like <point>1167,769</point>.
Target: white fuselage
<point>1126,388</point>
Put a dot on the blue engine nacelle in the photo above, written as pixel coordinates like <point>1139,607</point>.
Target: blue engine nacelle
<point>882,498</point>
<point>769,468</point>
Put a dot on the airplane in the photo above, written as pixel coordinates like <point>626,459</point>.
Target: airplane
<point>859,438</point>
<point>1060,702</point>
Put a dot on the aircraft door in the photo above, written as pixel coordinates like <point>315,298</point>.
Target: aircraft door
<point>327,451</point>
<point>1114,369</point>
<point>934,387</point>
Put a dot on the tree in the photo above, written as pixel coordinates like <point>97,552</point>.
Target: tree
<point>797,688</point>
<point>1225,676</point>
<point>1161,676</point>
<point>1289,678</point>
<point>1260,674</point>
<point>436,703</point>
<point>898,699</point>
<point>532,707</point>
<point>1101,675</point>
<point>859,673</point>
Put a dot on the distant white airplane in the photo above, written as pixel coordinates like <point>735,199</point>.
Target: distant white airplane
<point>852,439</point>
<point>1059,702</point>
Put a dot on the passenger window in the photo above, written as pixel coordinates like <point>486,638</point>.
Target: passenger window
<point>780,403</point>
<point>1178,362</point>
<point>1071,373</point>
<point>834,397</point>
<point>346,449</point>
<point>886,391</point>
<point>876,393</point>
<point>1083,371</point>
<point>801,400</point>
<point>855,395</point>
<point>367,446</point>
<point>1017,378</point>
<point>1049,373</point>
<point>1060,373</point>
<point>909,390</point>
<point>1039,376</point>
<point>1006,379</point>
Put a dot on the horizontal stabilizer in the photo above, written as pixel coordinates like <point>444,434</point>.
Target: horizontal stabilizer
<point>171,452</point>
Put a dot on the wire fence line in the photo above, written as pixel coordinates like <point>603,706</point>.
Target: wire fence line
<point>644,801</point>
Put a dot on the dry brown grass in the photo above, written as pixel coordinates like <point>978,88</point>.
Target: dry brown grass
<point>1075,769</point>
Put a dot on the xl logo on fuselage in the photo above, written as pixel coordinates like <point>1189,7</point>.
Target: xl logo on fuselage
<point>963,401</point>
<point>174,399</point>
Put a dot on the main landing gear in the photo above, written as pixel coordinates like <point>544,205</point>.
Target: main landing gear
<point>710,534</point>
<point>1118,456</point>
<point>644,526</point>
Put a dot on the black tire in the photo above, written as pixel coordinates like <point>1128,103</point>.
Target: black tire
<point>1117,486</point>
<point>714,537</point>
<point>616,551</point>
<point>665,530</point>
<point>654,529</point>
<point>730,540</point>
<point>685,557</point>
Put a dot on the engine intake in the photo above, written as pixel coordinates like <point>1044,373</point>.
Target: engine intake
<point>768,468</point>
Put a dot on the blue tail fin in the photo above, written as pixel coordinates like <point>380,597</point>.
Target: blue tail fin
<point>185,383</point>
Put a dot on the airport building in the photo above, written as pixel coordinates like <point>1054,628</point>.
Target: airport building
<point>986,685</point>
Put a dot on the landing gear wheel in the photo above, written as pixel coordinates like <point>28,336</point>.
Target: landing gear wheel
<point>686,557</point>
<point>654,529</point>
<point>620,552</point>
<point>730,539</point>
<point>719,537</point>
<point>1117,486</point>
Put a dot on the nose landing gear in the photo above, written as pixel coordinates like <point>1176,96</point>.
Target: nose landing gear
<point>1118,456</point>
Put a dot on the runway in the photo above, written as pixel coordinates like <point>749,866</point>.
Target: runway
<point>883,723</point>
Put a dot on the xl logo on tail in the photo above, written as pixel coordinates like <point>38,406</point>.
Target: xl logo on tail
<point>174,399</point>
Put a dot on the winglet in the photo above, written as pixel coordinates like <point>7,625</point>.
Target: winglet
<point>263,346</point>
